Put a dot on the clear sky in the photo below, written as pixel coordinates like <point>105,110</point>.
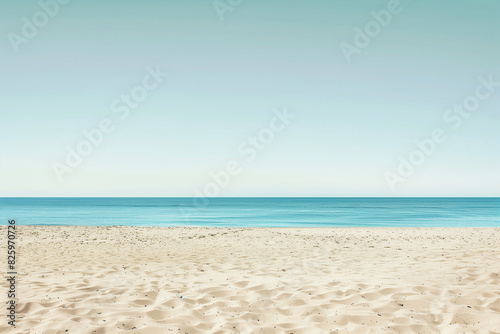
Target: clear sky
<point>353,120</point>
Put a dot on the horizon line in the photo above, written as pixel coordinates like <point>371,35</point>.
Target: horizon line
<point>230,197</point>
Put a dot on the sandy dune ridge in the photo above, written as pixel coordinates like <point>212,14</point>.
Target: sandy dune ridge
<point>256,280</point>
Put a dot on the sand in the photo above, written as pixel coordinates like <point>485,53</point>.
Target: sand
<point>234,280</point>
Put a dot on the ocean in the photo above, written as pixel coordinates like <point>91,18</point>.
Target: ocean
<point>254,212</point>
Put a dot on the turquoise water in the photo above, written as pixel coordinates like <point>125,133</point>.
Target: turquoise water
<point>254,212</point>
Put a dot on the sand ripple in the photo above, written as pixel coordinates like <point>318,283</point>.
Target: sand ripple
<point>208,280</point>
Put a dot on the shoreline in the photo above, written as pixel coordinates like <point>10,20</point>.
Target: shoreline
<point>255,227</point>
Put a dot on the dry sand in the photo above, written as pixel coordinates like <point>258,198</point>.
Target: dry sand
<point>209,280</point>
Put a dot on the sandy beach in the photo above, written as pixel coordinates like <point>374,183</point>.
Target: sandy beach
<point>256,280</point>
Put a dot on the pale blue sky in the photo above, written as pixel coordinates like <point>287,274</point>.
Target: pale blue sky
<point>352,122</point>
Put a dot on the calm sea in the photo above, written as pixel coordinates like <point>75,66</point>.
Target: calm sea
<point>254,212</point>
